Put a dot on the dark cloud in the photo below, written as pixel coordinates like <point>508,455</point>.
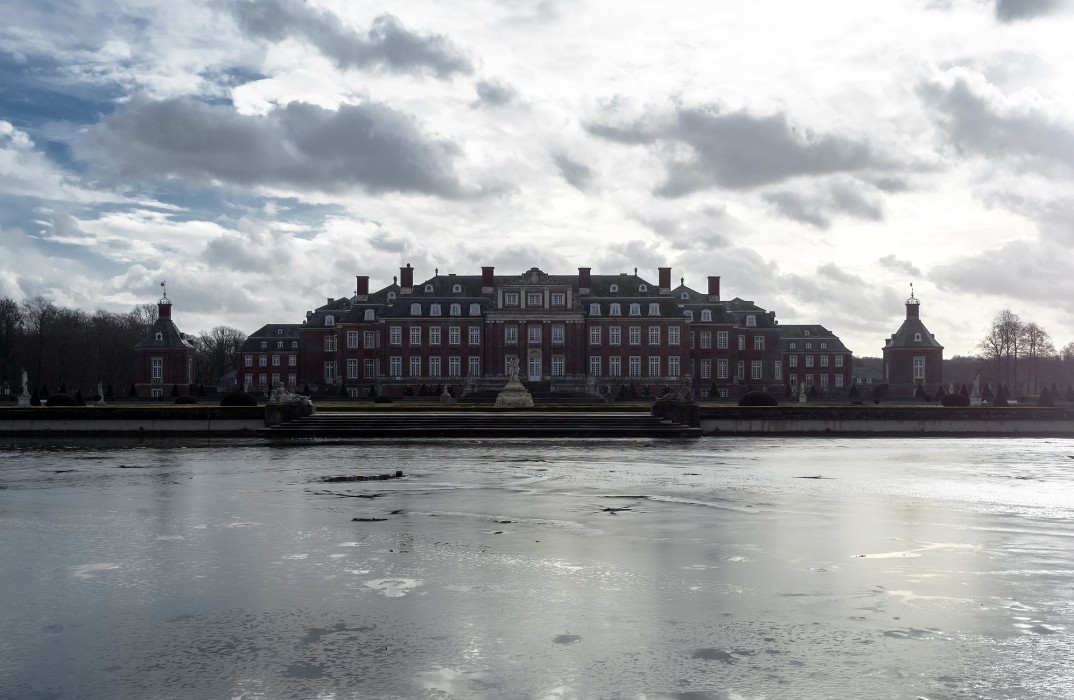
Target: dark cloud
<point>387,43</point>
<point>384,241</point>
<point>575,173</point>
<point>492,93</point>
<point>898,265</point>
<point>299,146</point>
<point>977,119</point>
<point>833,273</point>
<point>820,207</point>
<point>740,151</point>
<point>1020,270</point>
<point>1016,10</point>
<point>708,229</point>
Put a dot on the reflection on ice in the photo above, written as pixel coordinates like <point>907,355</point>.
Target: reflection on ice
<point>394,587</point>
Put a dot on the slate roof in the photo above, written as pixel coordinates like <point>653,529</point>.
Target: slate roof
<point>908,331</point>
<point>809,332</point>
<point>271,333</point>
<point>164,335</point>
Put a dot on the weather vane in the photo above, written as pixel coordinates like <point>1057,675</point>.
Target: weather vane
<point>165,290</point>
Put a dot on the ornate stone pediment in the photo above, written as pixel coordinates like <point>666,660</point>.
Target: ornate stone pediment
<point>534,275</point>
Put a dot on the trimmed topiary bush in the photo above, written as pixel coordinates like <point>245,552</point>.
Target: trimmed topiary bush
<point>1045,399</point>
<point>757,398</point>
<point>61,400</point>
<point>954,400</point>
<point>185,399</point>
<point>237,398</point>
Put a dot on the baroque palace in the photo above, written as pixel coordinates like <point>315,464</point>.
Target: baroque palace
<point>571,334</point>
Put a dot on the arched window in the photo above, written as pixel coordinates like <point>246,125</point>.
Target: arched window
<point>809,346</point>
<point>455,309</point>
<point>615,310</point>
<point>370,315</point>
<point>160,336</point>
<point>415,309</point>
<point>279,343</point>
<point>264,343</point>
<point>751,320</point>
<point>794,345</point>
<point>917,337</point>
<point>654,309</point>
<point>434,310</point>
<point>635,309</point>
<point>823,346</point>
<point>706,314</point>
<point>294,343</point>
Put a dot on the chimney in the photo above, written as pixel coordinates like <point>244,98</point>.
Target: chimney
<point>487,280</point>
<point>164,309</point>
<point>361,287</point>
<point>665,280</point>
<point>585,281</point>
<point>714,287</point>
<point>406,279</point>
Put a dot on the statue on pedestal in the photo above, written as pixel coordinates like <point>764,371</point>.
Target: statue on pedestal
<point>24,397</point>
<point>802,393</point>
<point>513,393</point>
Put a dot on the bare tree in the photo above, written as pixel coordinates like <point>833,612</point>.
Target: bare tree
<point>10,332</point>
<point>1000,345</point>
<point>1036,345</point>
<point>216,352</point>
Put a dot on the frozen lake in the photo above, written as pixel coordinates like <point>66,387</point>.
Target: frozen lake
<point>710,569</point>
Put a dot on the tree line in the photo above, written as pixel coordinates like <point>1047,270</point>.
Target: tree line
<point>70,348</point>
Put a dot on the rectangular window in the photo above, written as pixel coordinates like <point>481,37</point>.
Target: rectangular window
<point>534,299</point>
<point>262,360</point>
<point>654,366</point>
<point>634,366</point>
<point>808,360</point>
<point>792,361</point>
<point>558,334</point>
<point>415,336</point>
<point>741,374</point>
<point>275,378</point>
<point>721,369</point>
<point>823,360</point>
<point>615,366</point>
<point>533,334</point>
<point>755,369</point>
<point>615,335</point>
<point>721,340</point>
<point>792,379</point>
<point>557,365</point>
<point>741,342</point>
<point>262,379</point>
<point>434,366</point>
<point>692,340</point>
<point>454,366</point>
<point>370,366</point>
<point>352,339</point>
<point>249,361</point>
<point>673,366</point>
<point>594,309</point>
<point>594,367</point>
<point>510,299</point>
<point>352,369</point>
<point>292,379</point>
<point>158,368</point>
<point>510,335</point>
<point>474,335</point>
<point>758,342</point>
<point>777,373</point>
<point>919,369</point>
<point>475,366</point>
<point>838,360</point>
<point>824,381</point>
<point>395,335</point>
<point>434,335</point>
<point>329,372</point>
<point>369,339</point>
<point>594,335</point>
<point>839,381</point>
<point>415,366</point>
<point>706,369</point>
<point>454,335</point>
<point>275,360</point>
<point>706,340</point>
<point>654,335</point>
<point>635,335</point>
<point>673,335</point>
<point>559,299</point>
<point>248,379</point>
<point>329,343</point>
<point>292,360</point>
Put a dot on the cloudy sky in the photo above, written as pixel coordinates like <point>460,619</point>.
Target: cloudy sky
<point>820,157</point>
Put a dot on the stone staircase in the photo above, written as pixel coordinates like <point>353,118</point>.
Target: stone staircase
<point>520,424</point>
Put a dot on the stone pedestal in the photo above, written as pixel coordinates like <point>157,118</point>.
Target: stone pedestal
<point>24,400</point>
<point>514,395</point>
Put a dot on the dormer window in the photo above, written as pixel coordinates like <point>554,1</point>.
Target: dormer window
<point>684,295</point>
<point>751,320</point>
<point>654,309</point>
<point>294,343</point>
<point>614,288</point>
<point>455,309</point>
<point>615,310</point>
<point>391,296</point>
<point>475,309</point>
<point>264,343</point>
<point>428,289</point>
<point>917,337</point>
<point>370,315</point>
<point>594,309</point>
<point>329,320</point>
<point>794,345</point>
<point>279,343</point>
<point>706,314</point>
<point>279,331</point>
<point>805,333</point>
<point>456,289</point>
<point>160,336</point>
<point>643,288</point>
<point>823,346</point>
<point>415,309</point>
<point>809,346</point>
<point>635,309</point>
<point>434,310</point>
<point>688,314</point>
